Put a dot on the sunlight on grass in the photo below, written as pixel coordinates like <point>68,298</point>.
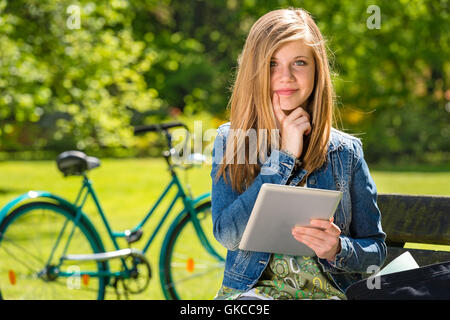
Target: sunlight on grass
<point>430,183</point>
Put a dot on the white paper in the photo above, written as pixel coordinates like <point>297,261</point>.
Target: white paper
<point>403,262</point>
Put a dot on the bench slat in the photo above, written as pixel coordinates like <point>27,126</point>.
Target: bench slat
<point>421,219</point>
<point>422,257</point>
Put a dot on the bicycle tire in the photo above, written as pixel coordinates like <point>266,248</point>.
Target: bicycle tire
<point>27,235</point>
<point>190,271</point>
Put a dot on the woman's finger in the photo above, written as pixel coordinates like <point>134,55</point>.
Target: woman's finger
<point>279,114</point>
<point>300,120</point>
<point>313,232</point>
<point>322,235</point>
<point>310,241</point>
<point>305,126</point>
<point>297,113</point>
<point>324,224</point>
<point>324,246</point>
<point>327,225</point>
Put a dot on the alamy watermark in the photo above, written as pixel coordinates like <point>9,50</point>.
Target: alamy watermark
<point>74,19</point>
<point>257,142</point>
<point>373,281</point>
<point>374,20</point>
<point>74,281</point>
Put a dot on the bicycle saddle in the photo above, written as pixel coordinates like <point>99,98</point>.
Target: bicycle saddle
<point>75,163</point>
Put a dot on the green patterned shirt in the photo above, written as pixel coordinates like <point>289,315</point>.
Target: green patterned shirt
<point>288,277</point>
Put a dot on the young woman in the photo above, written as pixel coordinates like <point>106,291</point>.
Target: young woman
<point>283,86</point>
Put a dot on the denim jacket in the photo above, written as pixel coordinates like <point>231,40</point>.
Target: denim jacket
<point>358,216</point>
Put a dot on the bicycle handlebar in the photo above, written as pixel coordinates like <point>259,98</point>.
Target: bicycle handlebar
<point>163,128</point>
<point>158,127</point>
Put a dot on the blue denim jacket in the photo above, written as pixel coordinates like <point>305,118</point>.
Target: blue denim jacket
<point>358,216</point>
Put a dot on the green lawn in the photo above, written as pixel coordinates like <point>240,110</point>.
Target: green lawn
<point>127,189</point>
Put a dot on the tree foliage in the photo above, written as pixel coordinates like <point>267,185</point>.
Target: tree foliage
<point>132,62</point>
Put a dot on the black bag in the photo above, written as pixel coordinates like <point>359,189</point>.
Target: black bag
<point>425,283</point>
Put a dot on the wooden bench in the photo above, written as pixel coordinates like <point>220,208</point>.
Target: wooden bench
<point>417,219</point>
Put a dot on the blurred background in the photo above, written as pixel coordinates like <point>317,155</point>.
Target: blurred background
<point>80,74</point>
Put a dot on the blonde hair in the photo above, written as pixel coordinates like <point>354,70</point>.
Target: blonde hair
<point>250,102</point>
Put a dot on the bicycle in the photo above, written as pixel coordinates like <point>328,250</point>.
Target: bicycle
<point>49,243</point>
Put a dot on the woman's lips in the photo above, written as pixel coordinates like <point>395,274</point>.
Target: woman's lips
<point>285,92</point>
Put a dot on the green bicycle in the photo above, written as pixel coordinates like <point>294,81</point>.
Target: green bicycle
<point>50,249</point>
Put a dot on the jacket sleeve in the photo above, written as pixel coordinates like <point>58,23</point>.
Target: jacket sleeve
<point>230,210</point>
<point>365,246</point>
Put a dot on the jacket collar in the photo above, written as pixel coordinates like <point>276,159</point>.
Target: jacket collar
<point>334,142</point>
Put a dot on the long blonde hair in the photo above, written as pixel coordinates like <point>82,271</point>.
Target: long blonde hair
<point>250,102</point>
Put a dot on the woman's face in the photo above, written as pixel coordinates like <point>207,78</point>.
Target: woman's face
<point>292,70</point>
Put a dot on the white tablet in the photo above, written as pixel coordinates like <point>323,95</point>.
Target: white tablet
<point>278,208</point>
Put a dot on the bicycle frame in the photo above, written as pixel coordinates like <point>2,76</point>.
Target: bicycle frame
<point>189,204</point>
<point>88,190</point>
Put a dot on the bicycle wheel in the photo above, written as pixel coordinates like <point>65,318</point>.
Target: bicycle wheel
<point>190,270</point>
<point>30,253</point>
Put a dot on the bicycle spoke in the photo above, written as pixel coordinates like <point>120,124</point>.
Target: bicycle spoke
<point>18,260</point>
<point>183,256</point>
<point>23,249</point>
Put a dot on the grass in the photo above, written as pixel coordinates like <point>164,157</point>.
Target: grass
<point>430,183</point>
<point>127,189</point>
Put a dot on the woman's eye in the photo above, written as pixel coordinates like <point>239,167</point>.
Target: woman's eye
<point>297,63</point>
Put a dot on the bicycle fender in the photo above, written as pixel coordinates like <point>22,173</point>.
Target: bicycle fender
<point>36,195</point>
<point>43,194</point>
<point>194,203</point>
<point>31,195</point>
<point>201,197</point>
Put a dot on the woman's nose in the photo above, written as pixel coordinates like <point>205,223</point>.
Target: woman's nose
<point>286,73</point>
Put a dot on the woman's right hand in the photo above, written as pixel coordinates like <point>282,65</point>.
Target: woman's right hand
<point>292,127</point>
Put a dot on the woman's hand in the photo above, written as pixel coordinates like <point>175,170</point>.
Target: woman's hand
<point>292,127</point>
<point>322,237</point>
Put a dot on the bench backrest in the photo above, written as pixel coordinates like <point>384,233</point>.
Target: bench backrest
<point>417,219</point>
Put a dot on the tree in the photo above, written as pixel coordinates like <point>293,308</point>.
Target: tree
<point>136,61</point>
